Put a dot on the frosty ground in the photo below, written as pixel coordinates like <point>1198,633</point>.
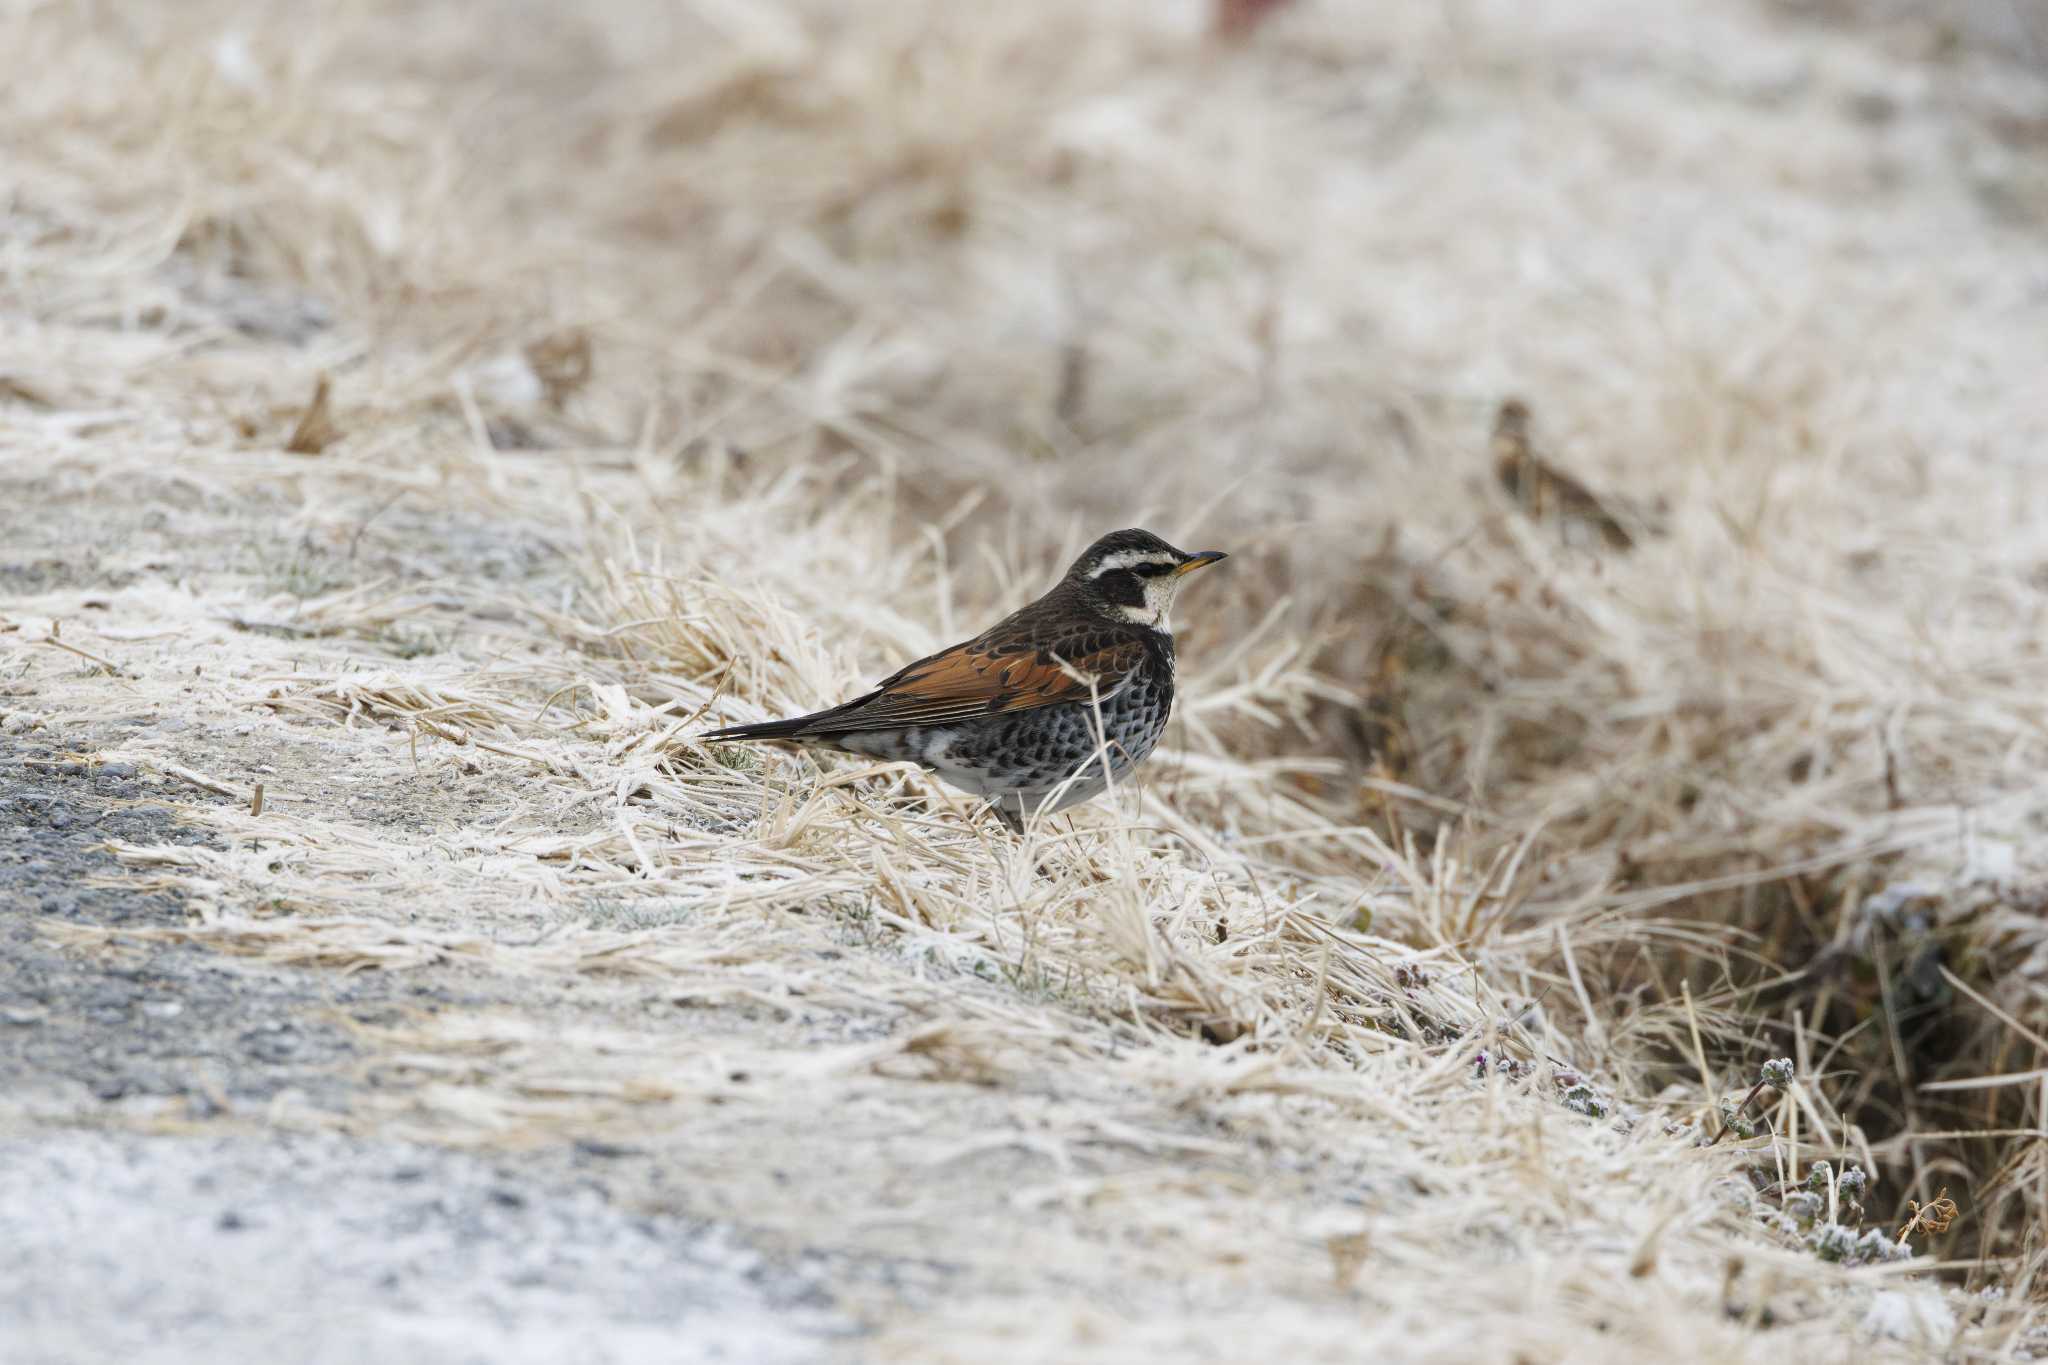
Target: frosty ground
<point>418,422</point>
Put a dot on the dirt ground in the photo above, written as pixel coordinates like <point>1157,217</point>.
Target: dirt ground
<point>300,1121</point>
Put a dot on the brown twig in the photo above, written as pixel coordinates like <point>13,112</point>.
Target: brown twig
<point>55,643</point>
<point>1933,1217</point>
<point>200,780</point>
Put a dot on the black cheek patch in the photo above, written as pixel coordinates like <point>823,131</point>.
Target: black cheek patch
<point>1123,588</point>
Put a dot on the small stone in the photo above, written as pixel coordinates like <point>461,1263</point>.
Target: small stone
<point>599,1149</point>
<point>60,818</point>
<point>230,1221</point>
<point>120,769</point>
<point>1873,107</point>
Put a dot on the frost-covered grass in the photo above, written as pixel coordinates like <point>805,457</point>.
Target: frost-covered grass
<point>1487,862</point>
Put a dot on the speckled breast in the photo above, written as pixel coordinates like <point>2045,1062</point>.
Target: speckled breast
<point>1034,751</point>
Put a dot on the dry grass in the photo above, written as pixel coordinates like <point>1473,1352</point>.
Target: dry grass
<point>813,338</point>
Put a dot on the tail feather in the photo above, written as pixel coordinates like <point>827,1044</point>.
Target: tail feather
<point>764,729</point>
<point>817,725</point>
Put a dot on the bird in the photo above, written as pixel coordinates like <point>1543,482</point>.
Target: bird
<point>1540,488</point>
<point>1012,714</point>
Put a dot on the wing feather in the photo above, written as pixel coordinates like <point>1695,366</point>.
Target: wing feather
<point>989,676</point>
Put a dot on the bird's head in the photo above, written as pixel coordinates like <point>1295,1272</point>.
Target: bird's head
<point>1133,576</point>
<point>1512,419</point>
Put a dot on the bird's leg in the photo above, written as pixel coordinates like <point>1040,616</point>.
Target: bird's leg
<point>1012,819</point>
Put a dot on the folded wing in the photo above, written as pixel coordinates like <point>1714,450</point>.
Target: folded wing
<point>976,679</point>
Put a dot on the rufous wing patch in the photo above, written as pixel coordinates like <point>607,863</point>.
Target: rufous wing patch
<point>971,680</point>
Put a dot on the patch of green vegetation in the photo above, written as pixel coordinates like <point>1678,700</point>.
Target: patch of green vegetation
<point>740,758</point>
<point>630,916</point>
<point>300,570</point>
<point>407,640</point>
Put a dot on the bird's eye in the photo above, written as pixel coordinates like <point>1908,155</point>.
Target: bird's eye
<point>1149,570</point>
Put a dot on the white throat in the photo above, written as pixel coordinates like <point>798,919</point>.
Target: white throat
<point>1159,595</point>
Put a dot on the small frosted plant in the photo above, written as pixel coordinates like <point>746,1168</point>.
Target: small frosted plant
<point>1835,1243</point>
<point>1778,1075</point>
<point>1832,1242</point>
<point>1583,1099</point>
<point>1804,1207</point>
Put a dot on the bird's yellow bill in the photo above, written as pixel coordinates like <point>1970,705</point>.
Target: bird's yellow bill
<point>1196,561</point>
